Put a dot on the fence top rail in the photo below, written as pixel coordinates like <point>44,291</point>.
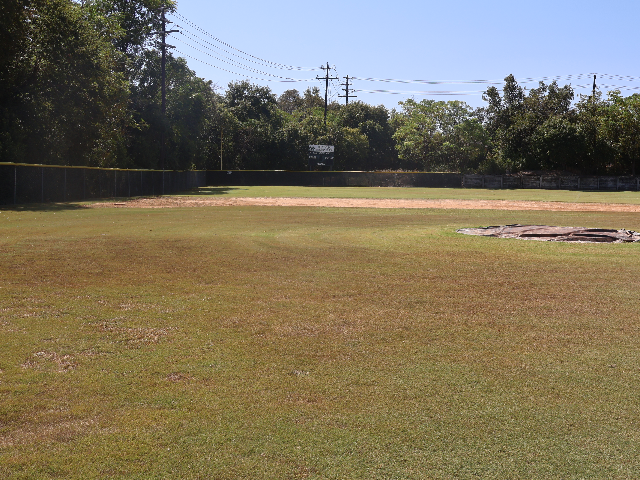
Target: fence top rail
<point>12,164</point>
<point>40,165</point>
<point>480,175</point>
<point>332,171</point>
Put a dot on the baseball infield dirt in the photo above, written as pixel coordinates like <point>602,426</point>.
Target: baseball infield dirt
<point>172,202</point>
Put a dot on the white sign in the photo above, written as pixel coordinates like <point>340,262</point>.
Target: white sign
<point>321,148</point>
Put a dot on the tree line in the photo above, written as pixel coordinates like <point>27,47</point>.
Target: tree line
<point>80,85</point>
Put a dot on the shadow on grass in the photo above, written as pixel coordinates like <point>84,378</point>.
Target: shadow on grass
<point>42,207</point>
<point>60,206</point>
<point>207,191</point>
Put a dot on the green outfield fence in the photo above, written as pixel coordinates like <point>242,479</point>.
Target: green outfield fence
<point>552,182</point>
<point>332,179</point>
<point>21,183</point>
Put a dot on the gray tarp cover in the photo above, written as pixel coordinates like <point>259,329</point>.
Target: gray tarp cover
<point>557,234</point>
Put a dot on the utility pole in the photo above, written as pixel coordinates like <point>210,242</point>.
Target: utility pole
<point>163,107</point>
<point>347,91</point>
<point>163,47</point>
<point>593,107</point>
<point>326,89</point>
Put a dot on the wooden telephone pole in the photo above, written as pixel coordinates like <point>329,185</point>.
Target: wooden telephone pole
<point>346,89</point>
<point>163,74</point>
<point>326,89</point>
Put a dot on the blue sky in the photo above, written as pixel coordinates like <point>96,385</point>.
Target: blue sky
<point>457,40</point>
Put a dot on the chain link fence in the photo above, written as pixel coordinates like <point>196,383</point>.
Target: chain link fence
<point>551,182</point>
<point>333,179</point>
<point>20,183</point>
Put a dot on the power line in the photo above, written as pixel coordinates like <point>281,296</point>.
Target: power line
<point>276,65</point>
<point>422,92</point>
<point>293,80</point>
<point>261,62</point>
<point>206,44</point>
<point>383,91</point>
<point>270,63</point>
<point>234,64</point>
<point>475,92</point>
<point>373,91</point>
<point>335,90</point>
<point>569,77</point>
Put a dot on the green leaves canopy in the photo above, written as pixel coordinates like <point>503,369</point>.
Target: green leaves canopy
<point>440,136</point>
<point>80,85</point>
<point>63,100</point>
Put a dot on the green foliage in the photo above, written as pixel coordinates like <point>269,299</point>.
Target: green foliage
<point>188,128</point>
<point>532,131</point>
<point>440,136</point>
<point>600,154</point>
<point>80,85</point>
<point>373,123</point>
<point>621,128</point>
<point>312,99</point>
<point>250,102</point>
<point>290,101</point>
<point>557,144</point>
<point>137,20</point>
<point>63,99</point>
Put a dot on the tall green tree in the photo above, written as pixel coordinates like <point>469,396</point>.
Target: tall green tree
<point>139,22</point>
<point>621,127</point>
<point>439,136</point>
<point>373,123</point>
<point>290,101</point>
<point>187,128</point>
<point>251,140</point>
<point>532,131</point>
<point>599,156</point>
<point>15,75</point>
<point>64,100</point>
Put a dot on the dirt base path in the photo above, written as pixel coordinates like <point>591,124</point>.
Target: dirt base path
<point>172,202</point>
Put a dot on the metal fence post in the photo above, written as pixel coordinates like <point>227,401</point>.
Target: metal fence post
<point>64,190</point>
<point>15,185</point>
<point>42,183</point>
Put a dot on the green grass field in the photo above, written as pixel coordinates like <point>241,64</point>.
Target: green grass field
<point>316,343</point>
